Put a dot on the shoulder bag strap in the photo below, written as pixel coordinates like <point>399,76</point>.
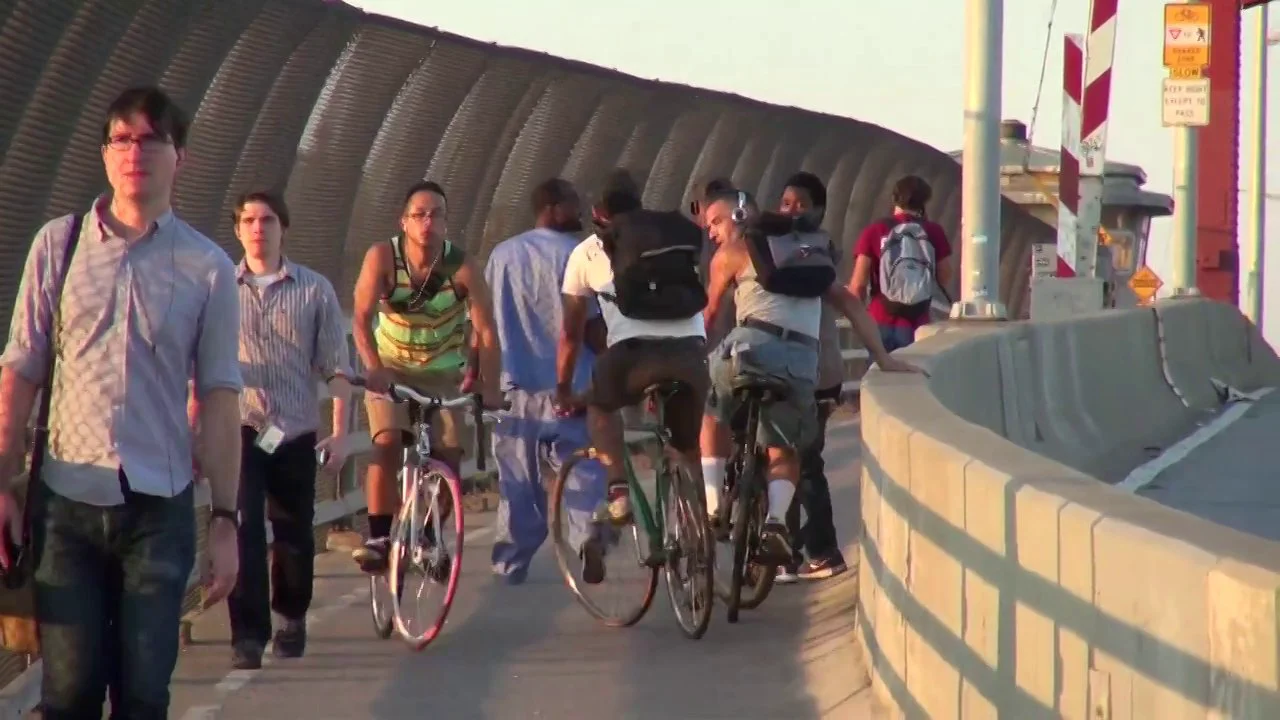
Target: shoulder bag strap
<point>41,439</point>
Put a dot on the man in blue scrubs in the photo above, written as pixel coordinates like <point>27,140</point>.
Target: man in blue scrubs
<point>525,274</point>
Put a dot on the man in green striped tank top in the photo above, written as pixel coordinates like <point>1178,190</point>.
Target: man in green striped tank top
<point>412,302</point>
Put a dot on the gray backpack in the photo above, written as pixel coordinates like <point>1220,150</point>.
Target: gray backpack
<point>907,269</point>
<point>795,263</point>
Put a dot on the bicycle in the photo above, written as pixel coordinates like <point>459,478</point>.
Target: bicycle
<point>744,497</point>
<point>678,533</point>
<point>417,531</point>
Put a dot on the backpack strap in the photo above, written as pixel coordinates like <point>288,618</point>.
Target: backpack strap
<point>40,441</point>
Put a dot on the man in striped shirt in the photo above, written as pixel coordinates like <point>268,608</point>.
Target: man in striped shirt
<point>291,334</point>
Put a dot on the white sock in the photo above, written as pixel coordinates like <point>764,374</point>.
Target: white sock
<point>780,494</point>
<point>713,481</point>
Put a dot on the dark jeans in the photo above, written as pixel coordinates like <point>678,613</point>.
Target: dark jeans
<point>282,484</point>
<point>109,588</point>
<point>896,337</point>
<point>818,535</point>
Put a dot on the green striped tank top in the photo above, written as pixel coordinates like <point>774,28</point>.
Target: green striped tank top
<point>426,333</point>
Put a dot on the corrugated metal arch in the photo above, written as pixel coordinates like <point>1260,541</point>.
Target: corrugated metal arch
<point>229,112</point>
<point>320,186</point>
<point>602,141</point>
<point>669,136</point>
<point>541,147</point>
<point>727,140</point>
<point>269,153</point>
<point>213,33</point>
<point>671,169</point>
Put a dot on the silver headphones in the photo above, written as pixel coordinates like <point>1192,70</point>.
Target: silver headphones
<point>739,215</point>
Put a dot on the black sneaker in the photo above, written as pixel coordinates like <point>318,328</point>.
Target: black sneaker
<point>246,655</point>
<point>823,568</point>
<point>291,640</point>
<point>592,555</point>
<point>372,556</point>
<point>775,544</point>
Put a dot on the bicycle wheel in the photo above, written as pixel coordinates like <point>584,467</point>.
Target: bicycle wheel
<point>381,606</point>
<point>745,491</point>
<point>757,580</point>
<point>420,550</point>
<point>690,549</point>
<point>570,563</point>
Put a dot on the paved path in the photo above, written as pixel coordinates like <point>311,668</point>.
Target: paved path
<point>1231,478</point>
<point>531,652</point>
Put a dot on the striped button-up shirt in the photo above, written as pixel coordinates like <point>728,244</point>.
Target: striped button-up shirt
<point>138,319</point>
<point>292,334</point>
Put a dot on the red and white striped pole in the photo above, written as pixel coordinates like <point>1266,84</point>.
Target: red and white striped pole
<point>1069,165</point>
<point>1100,50</point>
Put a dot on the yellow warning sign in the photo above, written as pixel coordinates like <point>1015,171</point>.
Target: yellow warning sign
<point>1145,284</point>
<point>1187,29</point>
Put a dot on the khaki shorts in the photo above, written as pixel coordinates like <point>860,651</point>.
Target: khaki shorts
<point>446,427</point>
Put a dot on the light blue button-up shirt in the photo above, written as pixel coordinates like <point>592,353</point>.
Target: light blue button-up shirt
<point>525,274</point>
<point>139,320</point>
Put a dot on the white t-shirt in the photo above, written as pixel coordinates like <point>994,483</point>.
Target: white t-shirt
<point>589,272</point>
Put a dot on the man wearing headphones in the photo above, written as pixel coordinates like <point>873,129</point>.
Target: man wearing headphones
<point>775,334</point>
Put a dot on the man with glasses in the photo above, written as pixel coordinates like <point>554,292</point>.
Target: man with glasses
<point>148,304</point>
<point>413,299</point>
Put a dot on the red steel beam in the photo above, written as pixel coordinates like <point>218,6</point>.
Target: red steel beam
<point>1217,194</point>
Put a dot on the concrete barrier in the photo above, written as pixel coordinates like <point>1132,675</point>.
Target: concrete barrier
<point>1003,577</point>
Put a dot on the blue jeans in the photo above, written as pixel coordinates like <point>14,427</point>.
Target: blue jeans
<point>109,585</point>
<point>528,435</point>
<point>896,336</point>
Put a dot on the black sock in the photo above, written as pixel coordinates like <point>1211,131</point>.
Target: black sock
<point>379,526</point>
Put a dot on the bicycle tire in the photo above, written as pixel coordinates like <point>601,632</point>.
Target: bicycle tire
<point>745,489</point>
<point>409,524</point>
<point>691,510</point>
<point>383,618</point>
<point>758,580</point>
<point>564,553</point>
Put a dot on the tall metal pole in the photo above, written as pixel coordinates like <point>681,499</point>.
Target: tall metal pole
<point>980,169</point>
<point>1182,279</point>
<point>1255,243</point>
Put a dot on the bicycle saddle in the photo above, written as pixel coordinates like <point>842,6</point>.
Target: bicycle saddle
<point>775,386</point>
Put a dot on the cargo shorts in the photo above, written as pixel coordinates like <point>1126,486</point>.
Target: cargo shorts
<point>791,422</point>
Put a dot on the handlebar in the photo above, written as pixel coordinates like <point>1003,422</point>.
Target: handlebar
<point>404,393</point>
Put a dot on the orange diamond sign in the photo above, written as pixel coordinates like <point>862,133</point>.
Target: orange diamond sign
<point>1145,284</point>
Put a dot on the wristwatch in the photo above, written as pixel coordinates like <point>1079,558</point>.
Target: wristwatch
<point>231,515</point>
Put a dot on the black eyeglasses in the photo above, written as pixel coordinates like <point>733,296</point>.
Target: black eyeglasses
<point>148,143</point>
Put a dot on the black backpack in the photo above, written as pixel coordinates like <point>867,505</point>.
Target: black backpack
<point>655,258</point>
<point>791,257</point>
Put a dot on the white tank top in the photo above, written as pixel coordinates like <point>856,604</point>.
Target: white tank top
<point>802,315</point>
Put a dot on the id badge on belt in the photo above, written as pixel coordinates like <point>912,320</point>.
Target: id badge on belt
<point>269,438</point>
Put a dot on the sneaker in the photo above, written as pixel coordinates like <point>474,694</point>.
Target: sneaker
<point>592,555</point>
<point>619,500</point>
<point>291,640</point>
<point>823,568</point>
<point>372,556</point>
<point>786,574</point>
<point>775,545</point>
<point>246,655</point>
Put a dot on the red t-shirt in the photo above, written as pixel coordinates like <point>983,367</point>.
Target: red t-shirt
<point>869,245</point>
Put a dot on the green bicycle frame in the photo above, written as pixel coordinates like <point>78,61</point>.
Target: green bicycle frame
<point>654,525</point>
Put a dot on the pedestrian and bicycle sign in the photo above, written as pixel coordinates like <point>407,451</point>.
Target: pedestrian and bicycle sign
<point>1187,34</point>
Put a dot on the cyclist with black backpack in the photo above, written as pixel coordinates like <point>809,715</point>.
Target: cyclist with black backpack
<point>781,270</point>
<point>901,260</point>
<point>642,266</point>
